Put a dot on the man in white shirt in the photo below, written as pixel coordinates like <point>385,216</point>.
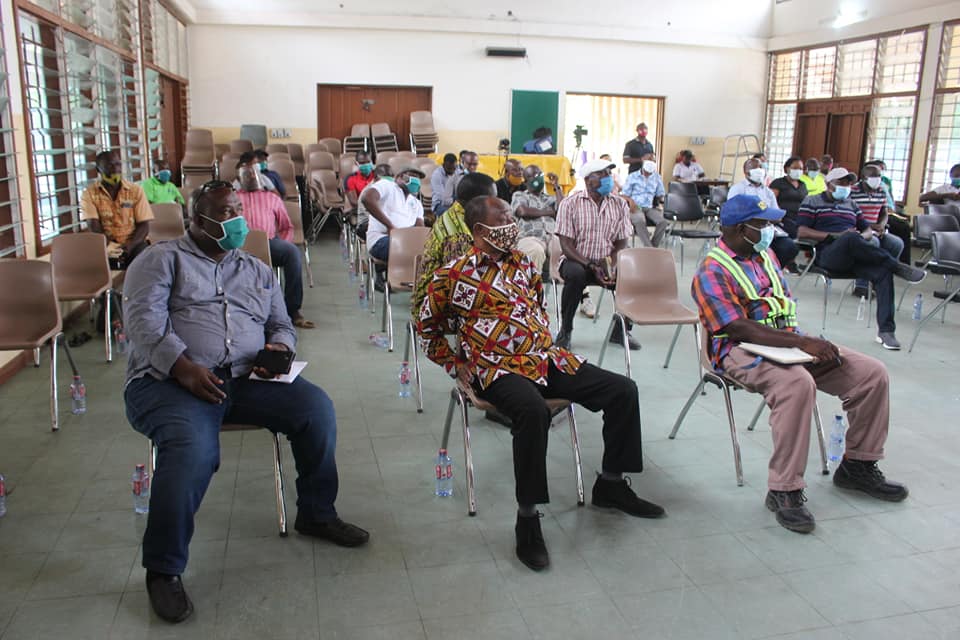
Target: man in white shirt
<point>754,184</point>
<point>946,193</point>
<point>687,170</point>
<point>392,204</point>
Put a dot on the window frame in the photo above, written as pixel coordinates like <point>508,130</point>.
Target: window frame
<point>938,92</point>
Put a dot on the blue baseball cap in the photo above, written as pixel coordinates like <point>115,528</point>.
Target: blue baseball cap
<point>743,207</point>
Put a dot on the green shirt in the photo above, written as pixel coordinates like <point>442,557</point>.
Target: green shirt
<point>159,192</point>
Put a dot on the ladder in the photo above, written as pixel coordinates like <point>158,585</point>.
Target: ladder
<point>737,148</point>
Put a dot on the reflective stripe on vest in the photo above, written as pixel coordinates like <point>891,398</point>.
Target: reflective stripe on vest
<point>781,307</point>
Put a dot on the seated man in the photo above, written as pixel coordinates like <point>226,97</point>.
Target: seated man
<point>754,184</point>
<point>363,216</point>
<point>516,374</point>
<point>593,226</point>
<point>898,222</point>
<point>118,209</point>
<point>512,180</point>
<point>158,188</point>
<point>359,180</point>
<point>743,297</point>
<point>265,183</point>
<point>264,211</point>
<point>948,193</point>
<point>812,178</point>
<point>438,184</point>
<point>260,155</point>
<point>844,246</point>
<point>536,213</point>
<point>187,374</point>
<point>645,193</point>
<point>392,203</point>
<point>870,195</point>
<point>687,170</point>
<point>469,163</point>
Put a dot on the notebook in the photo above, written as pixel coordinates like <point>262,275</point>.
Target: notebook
<point>783,355</point>
<point>295,368</point>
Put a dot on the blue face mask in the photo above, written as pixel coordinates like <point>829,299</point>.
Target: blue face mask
<point>841,193</point>
<point>955,182</point>
<point>813,174</point>
<point>766,238</point>
<point>606,185</point>
<point>164,175</point>
<point>413,185</point>
<point>234,230</point>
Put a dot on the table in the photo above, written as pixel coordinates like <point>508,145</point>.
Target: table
<point>492,164</point>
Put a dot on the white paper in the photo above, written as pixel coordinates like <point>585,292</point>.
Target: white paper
<point>295,368</point>
<point>783,355</point>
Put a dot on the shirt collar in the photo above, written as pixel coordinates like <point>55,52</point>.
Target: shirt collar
<point>733,254</point>
<point>476,257</point>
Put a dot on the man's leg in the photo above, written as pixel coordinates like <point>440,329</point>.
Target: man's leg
<point>535,249</point>
<point>850,252</point>
<point>892,244</point>
<point>785,249</point>
<point>639,220</point>
<point>655,216</point>
<point>576,277</point>
<point>381,248</point>
<point>901,229</point>
<point>286,255</point>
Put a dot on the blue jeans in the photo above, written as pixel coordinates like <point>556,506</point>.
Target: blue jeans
<point>381,248</point>
<point>186,431</point>
<point>286,255</point>
<point>850,253</point>
<point>891,243</point>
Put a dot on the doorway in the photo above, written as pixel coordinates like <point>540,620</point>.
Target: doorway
<point>340,106</point>
<point>173,121</point>
<point>834,127</point>
<point>611,121</point>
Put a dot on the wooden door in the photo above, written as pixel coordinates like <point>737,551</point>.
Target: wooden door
<point>835,127</point>
<point>339,107</point>
<point>847,134</point>
<point>172,122</point>
<point>811,134</point>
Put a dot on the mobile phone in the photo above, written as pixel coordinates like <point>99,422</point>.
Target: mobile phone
<point>275,362</point>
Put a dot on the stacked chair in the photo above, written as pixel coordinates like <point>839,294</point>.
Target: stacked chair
<point>199,163</point>
<point>241,145</point>
<point>358,140</point>
<point>383,138</point>
<point>423,135</point>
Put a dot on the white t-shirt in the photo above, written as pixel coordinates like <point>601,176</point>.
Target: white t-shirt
<point>687,174</point>
<point>402,211</point>
<point>947,188</point>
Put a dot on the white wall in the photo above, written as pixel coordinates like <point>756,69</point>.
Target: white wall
<point>269,75</point>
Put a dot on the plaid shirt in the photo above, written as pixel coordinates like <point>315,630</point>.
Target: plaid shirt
<point>539,228</point>
<point>722,300</point>
<point>594,229</point>
<point>264,210</point>
<point>117,217</point>
<point>643,189</point>
<point>502,327</point>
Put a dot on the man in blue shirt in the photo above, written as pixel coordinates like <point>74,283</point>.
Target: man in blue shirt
<point>438,184</point>
<point>844,237</point>
<point>644,191</point>
<point>197,311</point>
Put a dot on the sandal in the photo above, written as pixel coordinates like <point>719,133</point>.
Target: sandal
<point>303,323</point>
<point>79,339</point>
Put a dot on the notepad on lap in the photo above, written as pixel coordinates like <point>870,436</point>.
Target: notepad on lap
<point>295,369</point>
<point>783,355</point>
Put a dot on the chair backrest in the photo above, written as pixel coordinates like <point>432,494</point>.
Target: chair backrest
<point>80,264</point>
<point>296,219</point>
<point>682,188</point>
<point>395,162</point>
<point>167,222</point>
<point>313,147</point>
<point>327,180</point>
<point>718,195</point>
<point>925,225</point>
<point>220,149</point>
<point>29,309</point>
<point>409,155</point>
<point>199,158</point>
<point>333,145</point>
<point>199,139</point>
<point>193,181</point>
<point>379,129</point>
<point>347,164</point>
<point>228,166</point>
<point>421,121</point>
<point>946,209</point>
<point>426,165</point>
<point>360,130</point>
<point>276,147</point>
<point>321,160</point>
<point>946,247</point>
<point>556,252</point>
<point>255,133</point>
<point>240,146</point>
<point>279,155</point>
<point>686,208</point>
<point>647,274</point>
<point>295,149</point>
<point>385,156</point>
<point>257,244</point>
<point>287,172</point>
<point>405,245</point>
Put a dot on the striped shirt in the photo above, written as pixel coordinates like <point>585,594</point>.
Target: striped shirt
<point>823,213</point>
<point>721,300</point>
<point>264,210</point>
<point>872,203</point>
<point>594,229</point>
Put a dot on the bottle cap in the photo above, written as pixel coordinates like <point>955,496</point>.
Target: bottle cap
<point>139,467</point>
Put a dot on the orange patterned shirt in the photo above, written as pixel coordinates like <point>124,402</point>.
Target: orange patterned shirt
<point>117,217</point>
<point>497,305</point>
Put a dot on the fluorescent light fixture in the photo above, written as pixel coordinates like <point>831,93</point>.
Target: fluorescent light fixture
<point>847,17</point>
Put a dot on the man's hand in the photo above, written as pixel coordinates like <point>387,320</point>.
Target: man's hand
<point>821,350</point>
<point>464,377</point>
<point>198,380</point>
<point>601,275</point>
<point>270,346</point>
<point>951,196</point>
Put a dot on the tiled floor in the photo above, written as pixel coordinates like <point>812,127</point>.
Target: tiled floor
<point>717,567</point>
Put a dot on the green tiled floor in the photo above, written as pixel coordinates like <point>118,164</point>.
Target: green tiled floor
<point>717,567</point>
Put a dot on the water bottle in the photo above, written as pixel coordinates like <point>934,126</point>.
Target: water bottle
<point>119,337</point>
<point>78,392</point>
<point>404,377</point>
<point>918,307</point>
<point>444,472</point>
<point>380,340</point>
<point>861,307</point>
<point>141,489</point>
<point>3,496</point>
<point>362,294</point>
<point>836,446</point>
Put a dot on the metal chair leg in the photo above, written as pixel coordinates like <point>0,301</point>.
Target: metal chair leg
<point>306,264</point>
<point>843,294</point>
<point>825,470</point>
<point>467,455</point>
<point>54,405</point>
<point>626,343</point>
<point>36,357</point>
<point>686,408</point>
<point>575,444</point>
<point>445,437</point>
<point>943,305</point>
<point>596,315</point>
<point>388,316</point>
<point>108,325</point>
<point>411,343</point>
<point>826,293</point>
<point>673,343</point>
<point>278,485</point>
<point>556,301</point>
<point>756,415</point>
<point>606,339</point>
<point>733,435</point>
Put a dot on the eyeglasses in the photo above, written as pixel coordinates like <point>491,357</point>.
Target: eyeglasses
<point>213,185</point>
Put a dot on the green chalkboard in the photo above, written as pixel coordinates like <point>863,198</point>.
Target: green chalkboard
<point>532,110</point>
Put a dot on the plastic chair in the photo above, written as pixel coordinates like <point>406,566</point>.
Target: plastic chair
<point>228,166</point>
<point>682,188</point>
<point>726,385</point>
<point>945,262</point>
<point>384,157</point>
<point>276,147</point>
<point>333,145</point>
<point>313,147</point>
<point>327,193</point>
<point>320,160</point>
<point>167,223</point>
<point>925,225</point>
<point>219,150</point>
<point>82,271</point>
<point>199,140</point>
<point>288,175</point>
<point>240,146</point>
<point>828,277</point>
<point>680,209</point>
<point>646,294</point>
<point>30,316</point>
<point>296,154</point>
<point>296,219</point>
<point>257,244</point>
<point>405,245</point>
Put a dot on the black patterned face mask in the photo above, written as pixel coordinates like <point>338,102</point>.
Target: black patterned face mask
<point>502,238</point>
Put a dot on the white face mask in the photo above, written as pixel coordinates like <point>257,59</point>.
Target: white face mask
<point>757,175</point>
<point>795,174</point>
<point>650,166</point>
<point>873,183</point>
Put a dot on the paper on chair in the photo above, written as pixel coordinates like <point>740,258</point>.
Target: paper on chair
<point>295,368</point>
<point>783,355</point>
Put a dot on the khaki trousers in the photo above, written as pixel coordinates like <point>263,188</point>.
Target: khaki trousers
<point>862,385</point>
<point>534,249</point>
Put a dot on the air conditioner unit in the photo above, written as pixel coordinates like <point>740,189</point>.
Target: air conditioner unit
<point>506,52</point>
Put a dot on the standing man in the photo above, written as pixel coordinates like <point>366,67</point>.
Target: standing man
<point>512,180</point>
<point>844,245</point>
<point>263,210</point>
<point>187,374</point>
<point>158,187</point>
<point>536,213</point>
<point>438,183</point>
<point>637,150</point>
<point>392,203</point>
<point>593,226</point>
<point>754,184</point>
<point>645,194</point>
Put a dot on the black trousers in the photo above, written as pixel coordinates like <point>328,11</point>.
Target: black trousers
<point>576,277</point>
<point>523,401</point>
<point>901,229</point>
<point>851,253</point>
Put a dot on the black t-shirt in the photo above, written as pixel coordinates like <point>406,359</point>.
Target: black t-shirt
<point>789,197</point>
<point>505,191</point>
<point>636,149</point>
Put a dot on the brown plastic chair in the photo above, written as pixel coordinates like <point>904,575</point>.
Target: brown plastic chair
<point>347,166</point>
<point>30,315</point>
<point>296,219</point>
<point>240,146</point>
<point>167,223</point>
<point>405,245</point>
<point>276,147</point>
<point>199,139</point>
<point>326,193</point>
<point>726,385</point>
<point>360,130</point>
<point>333,145</point>
<point>296,154</point>
<point>279,155</point>
<point>384,157</point>
<point>646,294</point>
<point>257,244</point>
<point>313,148</point>
<point>220,149</point>
<point>228,166</point>
<point>380,129</point>
<point>82,271</point>
<point>320,160</point>
<point>288,174</point>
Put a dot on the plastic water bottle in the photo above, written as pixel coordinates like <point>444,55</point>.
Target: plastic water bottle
<point>836,446</point>
<point>918,307</point>
<point>444,473</point>
<point>362,294</point>
<point>380,340</point>
<point>141,489</point>
<point>861,307</point>
<point>119,337</point>
<point>404,377</point>
<point>3,496</point>
<point>78,392</point>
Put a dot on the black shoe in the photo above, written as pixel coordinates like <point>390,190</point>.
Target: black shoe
<point>908,273</point>
<point>861,292</point>
<point>563,339</point>
<point>791,514</point>
<point>499,418</point>
<point>336,531</point>
<point>531,549</point>
<point>617,494</point>
<point>863,475</point>
<point>617,338</point>
<point>168,597</point>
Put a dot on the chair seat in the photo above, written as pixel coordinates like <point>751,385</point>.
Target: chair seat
<point>236,426</point>
<point>943,270</point>
<point>943,295</point>
<point>695,233</point>
<point>555,405</point>
<point>24,336</point>
<point>661,312</point>
<point>77,286</point>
